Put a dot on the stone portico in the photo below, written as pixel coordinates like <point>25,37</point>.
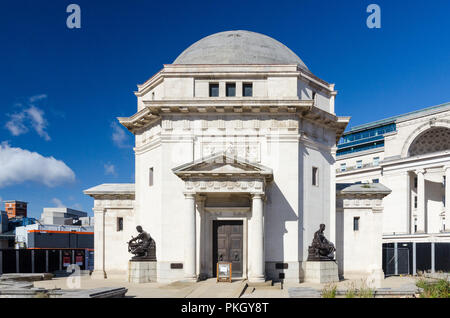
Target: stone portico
<point>222,175</point>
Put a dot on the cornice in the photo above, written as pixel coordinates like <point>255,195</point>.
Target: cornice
<point>305,109</point>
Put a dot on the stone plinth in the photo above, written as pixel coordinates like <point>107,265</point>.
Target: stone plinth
<point>321,272</point>
<point>141,271</point>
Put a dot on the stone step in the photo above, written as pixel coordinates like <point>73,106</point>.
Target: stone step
<point>304,292</point>
<point>265,285</point>
<point>29,277</point>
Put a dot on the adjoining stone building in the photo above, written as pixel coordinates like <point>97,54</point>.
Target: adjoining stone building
<point>235,147</point>
<point>410,154</point>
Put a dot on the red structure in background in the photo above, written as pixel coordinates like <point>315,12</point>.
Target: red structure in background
<point>16,209</point>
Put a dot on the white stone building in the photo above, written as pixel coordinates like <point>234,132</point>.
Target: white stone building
<point>235,147</point>
<point>410,154</point>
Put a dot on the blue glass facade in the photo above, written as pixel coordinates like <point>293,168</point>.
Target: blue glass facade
<point>360,140</point>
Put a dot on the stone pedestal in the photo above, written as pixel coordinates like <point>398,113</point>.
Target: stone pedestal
<point>321,272</point>
<point>141,271</point>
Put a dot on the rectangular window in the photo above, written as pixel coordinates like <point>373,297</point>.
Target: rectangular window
<point>415,182</point>
<point>343,167</point>
<point>375,180</point>
<point>247,89</point>
<point>315,176</point>
<point>213,90</point>
<point>376,161</point>
<point>356,223</point>
<point>231,89</point>
<point>150,177</point>
<point>359,164</point>
<point>119,224</point>
<point>415,202</point>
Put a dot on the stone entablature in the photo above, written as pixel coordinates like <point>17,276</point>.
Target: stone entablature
<point>361,201</point>
<point>223,173</point>
<point>303,110</point>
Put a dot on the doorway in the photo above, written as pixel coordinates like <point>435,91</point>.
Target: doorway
<point>228,245</point>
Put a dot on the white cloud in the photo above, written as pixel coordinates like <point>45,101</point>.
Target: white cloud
<point>119,136</point>
<point>58,203</point>
<point>19,165</point>
<point>29,116</point>
<point>15,125</point>
<point>110,169</point>
<point>38,121</point>
<point>36,98</point>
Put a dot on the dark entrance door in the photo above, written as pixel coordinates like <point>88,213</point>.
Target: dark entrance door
<point>227,245</point>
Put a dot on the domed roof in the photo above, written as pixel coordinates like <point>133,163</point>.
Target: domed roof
<point>238,47</point>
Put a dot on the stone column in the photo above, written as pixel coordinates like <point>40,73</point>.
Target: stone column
<point>201,237</point>
<point>421,228</point>
<point>258,262</point>
<point>447,195</point>
<point>409,221</point>
<point>99,244</point>
<point>189,238</point>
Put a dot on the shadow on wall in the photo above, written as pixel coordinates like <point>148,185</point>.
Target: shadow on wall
<point>302,153</point>
<point>434,195</point>
<point>306,235</point>
<point>275,224</point>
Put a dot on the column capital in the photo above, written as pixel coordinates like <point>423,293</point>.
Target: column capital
<point>447,168</point>
<point>257,195</point>
<point>420,171</point>
<point>200,198</point>
<point>189,195</point>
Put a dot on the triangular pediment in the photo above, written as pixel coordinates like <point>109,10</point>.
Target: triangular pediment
<point>221,163</point>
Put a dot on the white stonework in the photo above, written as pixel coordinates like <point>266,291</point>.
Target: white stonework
<point>321,272</point>
<point>413,163</point>
<point>142,272</point>
<point>359,248</point>
<point>241,158</point>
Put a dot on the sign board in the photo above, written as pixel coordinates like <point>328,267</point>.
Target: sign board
<point>224,272</point>
<point>67,259</point>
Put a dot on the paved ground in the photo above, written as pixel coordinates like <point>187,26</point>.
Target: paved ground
<point>406,285</point>
<point>204,289</point>
<point>211,289</point>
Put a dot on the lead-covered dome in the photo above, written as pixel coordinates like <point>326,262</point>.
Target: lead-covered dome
<point>238,47</point>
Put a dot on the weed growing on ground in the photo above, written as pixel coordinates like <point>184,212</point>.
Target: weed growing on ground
<point>329,291</point>
<point>351,291</point>
<point>434,289</point>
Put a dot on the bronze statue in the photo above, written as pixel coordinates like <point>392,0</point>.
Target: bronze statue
<point>142,246</point>
<point>321,249</point>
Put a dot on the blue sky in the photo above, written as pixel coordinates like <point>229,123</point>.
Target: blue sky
<point>61,89</point>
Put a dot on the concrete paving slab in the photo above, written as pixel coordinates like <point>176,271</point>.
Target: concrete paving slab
<point>395,286</point>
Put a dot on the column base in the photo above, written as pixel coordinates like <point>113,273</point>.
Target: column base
<point>190,279</point>
<point>257,279</point>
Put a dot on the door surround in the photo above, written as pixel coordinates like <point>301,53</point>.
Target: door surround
<point>212,215</point>
<point>216,224</point>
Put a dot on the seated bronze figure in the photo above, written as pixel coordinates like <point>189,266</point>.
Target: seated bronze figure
<point>142,246</point>
<point>321,249</point>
